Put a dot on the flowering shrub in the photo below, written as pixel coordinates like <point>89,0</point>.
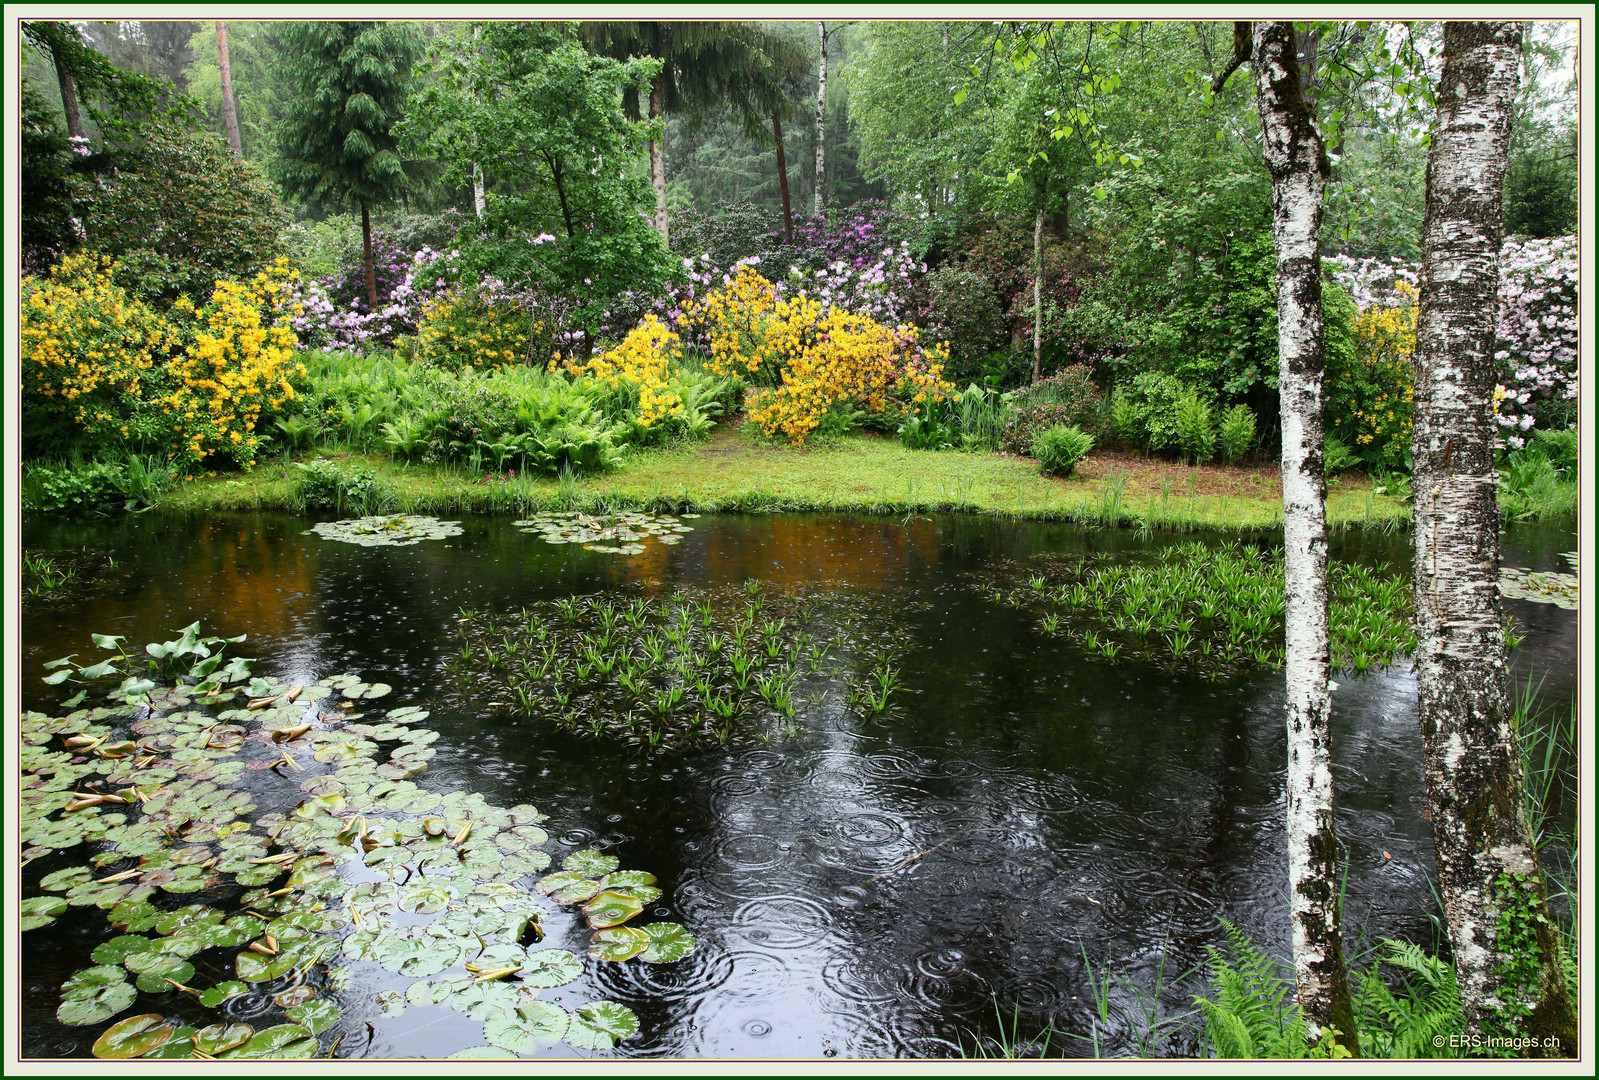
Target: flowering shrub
<point>324,323</point>
<point>1371,387</point>
<point>391,266</point>
<point>90,354</point>
<point>238,367</point>
<point>1537,336</point>
<point>476,327</point>
<point>640,367</point>
<point>876,286</point>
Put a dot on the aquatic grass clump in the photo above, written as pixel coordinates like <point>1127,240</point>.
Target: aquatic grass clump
<point>690,669</point>
<point>149,794</point>
<point>1219,609</point>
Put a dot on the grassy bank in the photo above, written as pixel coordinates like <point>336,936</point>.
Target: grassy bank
<point>871,475</point>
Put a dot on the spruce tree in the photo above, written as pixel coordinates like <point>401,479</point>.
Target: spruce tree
<point>335,143</point>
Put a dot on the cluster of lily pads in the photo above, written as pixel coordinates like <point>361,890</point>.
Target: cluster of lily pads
<point>386,530</point>
<point>1542,586</point>
<point>623,532</point>
<point>149,789</point>
<point>689,669</point>
<point>1214,609</point>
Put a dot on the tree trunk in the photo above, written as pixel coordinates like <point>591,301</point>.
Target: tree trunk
<point>230,118</point>
<point>1038,292</point>
<point>821,119</point>
<point>1487,865</point>
<point>782,178</point>
<point>69,92</point>
<point>480,202</point>
<point>371,266</point>
<point>1298,164</point>
<point>658,154</point>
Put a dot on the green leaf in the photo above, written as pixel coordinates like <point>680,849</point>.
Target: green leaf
<point>220,1038</point>
<point>600,1025</point>
<point>590,862</point>
<point>277,1043</point>
<point>315,1016</point>
<point>94,994</point>
<point>222,991</point>
<point>531,1027</point>
<point>619,943</point>
<point>669,943</point>
<point>154,981</point>
<point>567,887</point>
<point>133,1037</point>
<point>549,968</point>
<point>611,909</point>
<point>40,911</point>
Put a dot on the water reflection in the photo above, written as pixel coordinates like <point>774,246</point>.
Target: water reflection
<point>870,887</point>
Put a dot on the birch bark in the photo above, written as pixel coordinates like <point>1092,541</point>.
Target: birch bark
<point>821,120</point>
<point>1299,170</point>
<point>1487,865</point>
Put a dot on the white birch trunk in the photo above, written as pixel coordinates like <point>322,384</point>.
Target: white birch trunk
<point>821,119</point>
<point>1473,767</point>
<point>1038,291</point>
<point>658,155</point>
<point>1299,170</point>
<point>479,199</point>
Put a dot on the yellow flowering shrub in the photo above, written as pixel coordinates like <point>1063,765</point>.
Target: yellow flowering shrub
<point>468,329</point>
<point>1369,402</point>
<point>641,366</point>
<point>737,319</point>
<point>237,367</point>
<point>91,354</point>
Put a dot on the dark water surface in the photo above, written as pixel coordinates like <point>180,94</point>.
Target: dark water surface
<point>1068,814</point>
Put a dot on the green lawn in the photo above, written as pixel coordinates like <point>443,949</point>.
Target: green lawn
<point>872,475</point>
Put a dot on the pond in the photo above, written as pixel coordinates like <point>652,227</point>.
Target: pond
<point>1020,819</point>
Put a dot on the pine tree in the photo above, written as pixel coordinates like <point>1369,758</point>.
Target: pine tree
<point>335,143</point>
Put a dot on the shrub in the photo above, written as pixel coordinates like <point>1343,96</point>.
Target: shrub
<point>1236,432</point>
<point>1060,448</point>
<point>1069,398</point>
<point>1337,456</point>
<point>49,487</point>
<point>1537,333</point>
<point>963,308</point>
<point>474,327</point>
<point>1560,448</point>
<point>1370,387</point>
<point>325,485</point>
<point>640,368</point>
<point>1148,411</point>
<point>182,212</point>
<point>1196,426</point>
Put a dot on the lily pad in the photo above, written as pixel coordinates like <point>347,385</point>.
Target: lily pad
<point>669,943</point>
<point>590,862</point>
<point>133,1037</point>
<point>213,996</point>
<point>40,911</point>
<point>315,1016</point>
<point>600,1025</point>
<point>482,1053</point>
<point>276,1043</point>
<point>548,968</point>
<point>219,1038</point>
<point>386,530</point>
<point>532,1026</point>
<point>568,887</point>
<point>611,909</point>
<point>619,943</point>
<point>94,994</point>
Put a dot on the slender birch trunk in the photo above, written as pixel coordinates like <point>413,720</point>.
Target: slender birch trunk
<point>1299,170</point>
<point>230,117</point>
<point>1487,865</point>
<point>480,201</point>
<point>821,119</point>
<point>1038,291</point>
<point>658,154</point>
<point>782,178</point>
<point>69,92</point>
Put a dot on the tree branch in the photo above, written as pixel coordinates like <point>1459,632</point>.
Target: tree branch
<point>1241,47</point>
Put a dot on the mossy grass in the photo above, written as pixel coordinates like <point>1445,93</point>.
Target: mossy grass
<point>852,473</point>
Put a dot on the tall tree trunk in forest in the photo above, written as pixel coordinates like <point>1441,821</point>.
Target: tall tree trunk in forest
<point>1038,291</point>
<point>1505,949</point>
<point>1299,170</point>
<point>782,178</point>
<point>371,266</point>
<point>821,119</point>
<point>480,202</point>
<point>658,154</point>
<point>69,92</point>
<point>230,118</point>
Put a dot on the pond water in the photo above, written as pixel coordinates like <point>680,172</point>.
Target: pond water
<point>1072,818</point>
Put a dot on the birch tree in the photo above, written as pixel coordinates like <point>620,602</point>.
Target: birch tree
<point>1297,160</point>
<point>1505,950</point>
<point>821,117</point>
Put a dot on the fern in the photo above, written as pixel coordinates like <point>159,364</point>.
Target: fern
<point>1405,1024</point>
<point>1250,1015</point>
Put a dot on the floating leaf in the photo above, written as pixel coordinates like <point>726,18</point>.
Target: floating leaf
<point>611,909</point>
<point>669,943</point>
<point>386,530</point>
<point>94,994</point>
<point>619,943</point>
<point>568,887</point>
<point>155,980</point>
<point>549,968</point>
<point>178,1046</point>
<point>213,996</point>
<point>133,1037</point>
<point>532,1026</point>
<point>219,1038</point>
<point>392,1002</point>
<point>590,862</point>
<point>276,1043</point>
<point>600,1025</point>
<point>40,911</point>
<point>424,899</point>
<point>315,1016</point>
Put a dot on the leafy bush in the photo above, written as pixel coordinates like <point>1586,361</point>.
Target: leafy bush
<point>1145,411</point>
<point>924,429</point>
<point>963,308</point>
<point>1537,334</point>
<point>324,484</point>
<point>1236,432</point>
<point>1539,480</point>
<point>49,487</point>
<point>1371,386</point>
<point>1561,448</point>
<point>182,212</point>
<point>1196,426</point>
<point>1339,457</point>
<point>1060,448</point>
<point>474,327</point>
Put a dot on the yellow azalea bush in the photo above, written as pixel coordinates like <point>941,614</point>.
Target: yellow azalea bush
<point>463,329</point>
<point>192,384</point>
<point>640,367</point>
<point>1369,406</point>
<point>737,320</point>
<point>90,353</point>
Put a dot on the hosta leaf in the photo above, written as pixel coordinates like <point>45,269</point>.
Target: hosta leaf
<point>133,1037</point>
<point>611,909</point>
<point>600,1025</point>
<point>590,863</point>
<point>669,943</point>
<point>549,968</point>
<point>619,943</point>
<point>532,1026</point>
